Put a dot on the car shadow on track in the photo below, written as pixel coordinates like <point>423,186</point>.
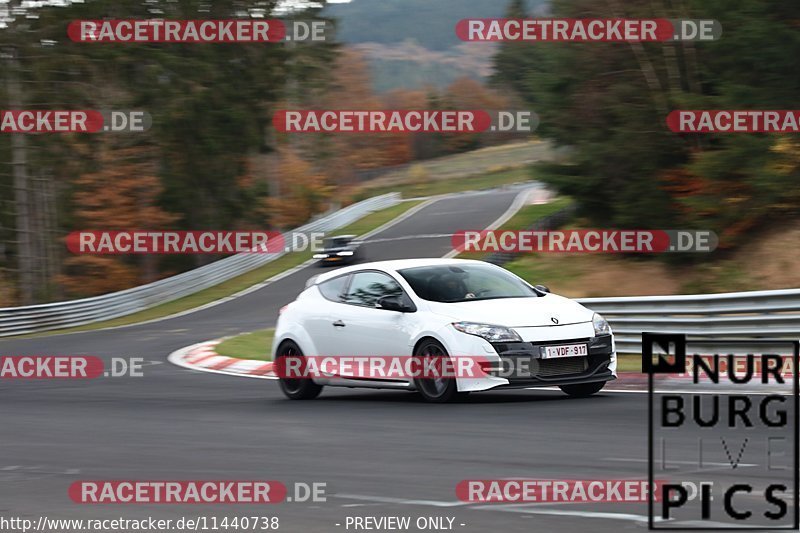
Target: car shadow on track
<point>409,397</point>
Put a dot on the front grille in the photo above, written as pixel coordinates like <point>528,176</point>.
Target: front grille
<point>559,367</point>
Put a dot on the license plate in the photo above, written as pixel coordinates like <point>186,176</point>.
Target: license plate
<point>565,350</point>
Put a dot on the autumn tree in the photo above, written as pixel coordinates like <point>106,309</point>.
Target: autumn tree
<point>343,154</point>
<point>122,193</point>
<point>467,93</point>
<point>410,145</point>
<point>304,192</point>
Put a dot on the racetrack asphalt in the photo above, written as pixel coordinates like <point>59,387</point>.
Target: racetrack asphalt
<point>381,453</point>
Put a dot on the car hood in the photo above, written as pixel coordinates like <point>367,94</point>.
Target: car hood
<point>516,312</point>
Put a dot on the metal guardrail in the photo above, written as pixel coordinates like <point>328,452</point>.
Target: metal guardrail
<point>59,315</point>
<point>726,317</point>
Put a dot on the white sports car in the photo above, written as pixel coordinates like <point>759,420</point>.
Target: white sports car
<point>443,308</point>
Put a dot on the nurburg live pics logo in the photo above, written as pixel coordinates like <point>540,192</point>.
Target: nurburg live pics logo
<point>725,443</point>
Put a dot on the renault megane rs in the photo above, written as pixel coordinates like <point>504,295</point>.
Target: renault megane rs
<point>442,308</point>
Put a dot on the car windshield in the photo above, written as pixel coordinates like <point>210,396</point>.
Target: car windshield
<point>464,283</point>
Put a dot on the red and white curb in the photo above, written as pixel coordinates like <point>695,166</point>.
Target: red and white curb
<point>202,357</point>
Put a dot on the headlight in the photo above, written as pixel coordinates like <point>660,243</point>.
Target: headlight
<point>320,256</point>
<point>600,324</point>
<point>489,332</point>
<point>344,253</point>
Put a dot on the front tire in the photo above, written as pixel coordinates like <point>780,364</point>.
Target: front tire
<point>296,389</point>
<point>435,390</point>
<point>583,390</point>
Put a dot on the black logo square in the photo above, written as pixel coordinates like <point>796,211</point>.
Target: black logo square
<point>672,344</point>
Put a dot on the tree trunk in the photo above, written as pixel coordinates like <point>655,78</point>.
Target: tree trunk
<point>19,165</point>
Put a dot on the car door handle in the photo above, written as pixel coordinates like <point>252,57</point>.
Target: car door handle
<point>338,324</point>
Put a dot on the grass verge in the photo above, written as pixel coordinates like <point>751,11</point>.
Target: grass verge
<point>254,345</point>
<point>455,168</point>
<point>432,187</point>
<point>240,283</point>
<point>629,363</point>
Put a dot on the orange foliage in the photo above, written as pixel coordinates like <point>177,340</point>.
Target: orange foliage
<point>466,93</point>
<point>303,192</point>
<point>88,275</point>
<point>703,201</point>
<point>351,89</point>
<point>121,194</point>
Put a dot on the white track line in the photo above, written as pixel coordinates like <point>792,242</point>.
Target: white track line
<point>667,391</point>
<point>519,509</point>
<point>515,206</point>
<point>532,508</point>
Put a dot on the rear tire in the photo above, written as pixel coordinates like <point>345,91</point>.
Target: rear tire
<point>583,390</point>
<point>296,389</point>
<point>440,390</point>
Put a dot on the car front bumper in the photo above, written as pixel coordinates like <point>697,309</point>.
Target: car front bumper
<point>520,364</point>
<point>598,365</point>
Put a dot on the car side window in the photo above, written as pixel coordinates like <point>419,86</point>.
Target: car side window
<point>367,287</point>
<point>333,289</point>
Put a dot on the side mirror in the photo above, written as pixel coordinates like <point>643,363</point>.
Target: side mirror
<point>394,303</point>
<point>541,288</point>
